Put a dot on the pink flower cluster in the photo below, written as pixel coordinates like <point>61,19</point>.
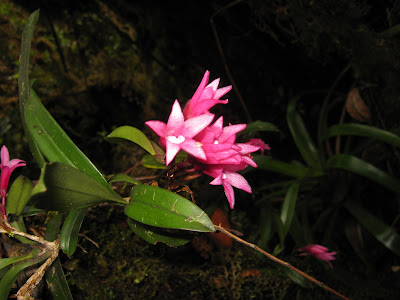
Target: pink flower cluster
<point>7,167</point>
<point>318,251</point>
<point>212,148</point>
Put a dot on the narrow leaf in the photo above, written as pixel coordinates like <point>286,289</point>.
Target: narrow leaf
<point>53,142</point>
<point>12,274</point>
<point>150,162</point>
<point>360,167</point>
<point>70,229</point>
<point>301,137</point>
<point>23,81</point>
<point>148,234</point>
<point>122,177</point>
<point>20,225</point>
<point>56,281</point>
<point>382,232</point>
<point>288,207</point>
<point>364,131</point>
<point>18,195</point>
<point>53,228</point>
<point>63,188</point>
<point>268,163</point>
<point>257,126</point>
<point>4,262</point>
<point>265,221</point>
<point>131,134</point>
<point>158,207</point>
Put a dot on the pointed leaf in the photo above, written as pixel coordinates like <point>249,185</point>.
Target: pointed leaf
<point>70,229</point>
<point>265,221</point>
<point>362,168</point>
<point>150,162</point>
<point>158,207</point>
<point>53,228</point>
<point>18,195</point>
<point>4,262</point>
<point>365,131</point>
<point>46,138</point>
<point>11,275</point>
<point>53,142</point>
<point>301,136</point>
<point>20,225</point>
<point>23,81</point>
<point>288,207</point>
<point>382,232</point>
<point>122,177</point>
<point>56,281</point>
<point>268,163</point>
<point>132,134</point>
<point>62,188</point>
<point>257,126</point>
<point>151,236</point>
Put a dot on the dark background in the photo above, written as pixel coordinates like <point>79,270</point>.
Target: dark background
<point>101,64</point>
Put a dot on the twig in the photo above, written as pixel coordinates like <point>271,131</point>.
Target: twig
<point>53,247</point>
<point>281,262</point>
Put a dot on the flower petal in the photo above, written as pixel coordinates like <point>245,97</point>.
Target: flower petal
<point>230,194</point>
<point>175,120</point>
<point>171,151</point>
<point>237,181</point>
<point>157,126</point>
<point>192,147</point>
<point>5,157</point>
<point>194,125</point>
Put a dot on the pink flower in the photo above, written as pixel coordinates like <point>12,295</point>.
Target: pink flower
<point>258,142</point>
<point>318,251</point>
<point>212,148</point>
<point>178,134</point>
<point>7,167</point>
<point>205,97</point>
<point>227,177</point>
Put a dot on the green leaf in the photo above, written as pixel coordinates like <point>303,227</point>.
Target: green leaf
<point>382,232</point>
<point>150,162</point>
<point>301,137</point>
<point>364,131</point>
<point>18,195</point>
<point>391,32</point>
<point>4,262</point>
<point>148,234</point>
<point>23,82</point>
<point>288,207</point>
<point>257,126</point>
<point>53,142</point>
<point>360,167</point>
<point>70,229</point>
<point>20,225</point>
<point>124,178</point>
<point>12,274</point>
<point>53,228</point>
<point>3,271</point>
<point>296,277</point>
<point>131,134</point>
<point>63,188</point>
<point>46,138</point>
<point>56,281</point>
<point>268,163</point>
<point>265,221</point>
<point>158,207</point>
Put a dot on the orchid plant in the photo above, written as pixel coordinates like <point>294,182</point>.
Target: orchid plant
<point>212,148</point>
<point>70,183</point>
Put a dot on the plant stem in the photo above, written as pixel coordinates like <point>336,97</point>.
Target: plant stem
<point>281,262</point>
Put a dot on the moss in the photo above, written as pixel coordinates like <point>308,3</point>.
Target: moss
<point>126,267</point>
